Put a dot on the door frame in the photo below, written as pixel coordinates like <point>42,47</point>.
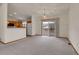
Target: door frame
<point>56,26</point>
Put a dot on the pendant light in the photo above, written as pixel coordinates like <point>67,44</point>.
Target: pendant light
<point>44,14</point>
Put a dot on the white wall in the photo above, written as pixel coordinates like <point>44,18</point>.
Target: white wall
<point>64,24</point>
<point>36,25</point>
<point>3,22</point>
<point>74,25</point>
<point>0,21</point>
<point>33,25</point>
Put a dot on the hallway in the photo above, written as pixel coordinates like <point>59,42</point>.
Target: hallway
<point>38,45</point>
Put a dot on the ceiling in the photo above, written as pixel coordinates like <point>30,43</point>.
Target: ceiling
<point>23,10</point>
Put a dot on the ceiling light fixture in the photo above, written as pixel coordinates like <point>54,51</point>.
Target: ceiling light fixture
<point>45,14</point>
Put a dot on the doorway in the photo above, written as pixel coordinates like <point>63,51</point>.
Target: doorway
<point>49,28</point>
<point>29,26</point>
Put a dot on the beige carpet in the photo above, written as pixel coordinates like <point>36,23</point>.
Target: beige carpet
<point>38,45</point>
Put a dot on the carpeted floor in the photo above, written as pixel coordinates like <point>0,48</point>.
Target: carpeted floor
<point>38,45</point>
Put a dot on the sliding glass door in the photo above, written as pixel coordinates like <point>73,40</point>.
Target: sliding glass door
<point>48,28</point>
<point>45,28</point>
